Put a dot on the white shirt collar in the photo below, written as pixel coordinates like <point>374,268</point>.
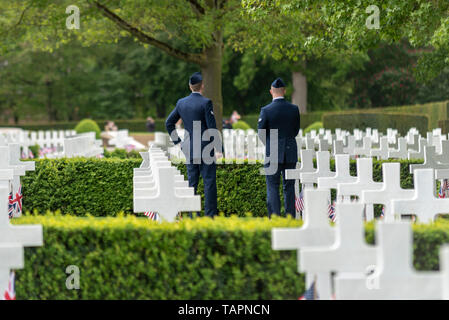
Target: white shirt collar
<point>196,92</point>
<point>277,98</point>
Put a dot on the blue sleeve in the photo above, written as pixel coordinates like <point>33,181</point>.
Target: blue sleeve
<point>262,124</point>
<point>209,115</point>
<point>298,123</point>
<point>170,124</point>
<point>211,122</point>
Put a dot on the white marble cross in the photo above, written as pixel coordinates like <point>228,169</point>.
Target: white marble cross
<point>366,149</point>
<point>364,182</point>
<point>337,147</point>
<point>305,166</point>
<point>401,152</point>
<point>424,204</point>
<point>251,148</point>
<point>14,160</point>
<point>13,238</point>
<point>315,232</point>
<point>350,146</point>
<point>323,145</point>
<point>310,143</point>
<point>349,252</point>
<point>394,277</point>
<point>11,257</point>
<point>442,174</point>
<point>382,152</point>
<point>413,141</point>
<point>420,153</point>
<point>240,147</point>
<point>342,174</point>
<point>323,170</point>
<point>391,189</point>
<point>443,157</point>
<point>167,201</point>
<point>429,161</point>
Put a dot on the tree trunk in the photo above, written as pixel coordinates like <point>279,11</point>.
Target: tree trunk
<point>299,95</point>
<point>211,72</point>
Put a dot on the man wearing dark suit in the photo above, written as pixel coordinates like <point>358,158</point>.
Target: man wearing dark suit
<point>282,116</point>
<point>197,115</point>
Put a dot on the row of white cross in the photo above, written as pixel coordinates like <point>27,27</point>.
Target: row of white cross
<point>57,143</point>
<point>159,187</point>
<point>81,145</point>
<point>13,239</point>
<point>121,139</point>
<point>44,139</point>
<point>238,144</point>
<point>241,145</point>
<point>337,260</point>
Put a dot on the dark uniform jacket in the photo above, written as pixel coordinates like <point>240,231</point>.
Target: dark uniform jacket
<point>283,116</point>
<point>192,108</point>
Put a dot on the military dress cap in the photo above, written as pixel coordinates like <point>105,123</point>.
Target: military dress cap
<point>195,78</point>
<point>278,83</point>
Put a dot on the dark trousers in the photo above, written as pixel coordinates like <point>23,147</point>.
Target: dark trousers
<point>208,172</point>
<point>273,183</point>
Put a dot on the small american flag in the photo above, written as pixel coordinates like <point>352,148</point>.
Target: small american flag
<point>10,292</point>
<point>18,200</point>
<point>382,213</point>
<point>443,188</point>
<point>151,215</point>
<point>11,206</point>
<point>331,211</point>
<point>299,202</point>
<point>310,293</point>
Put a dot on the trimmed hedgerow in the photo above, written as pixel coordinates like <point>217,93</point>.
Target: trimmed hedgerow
<point>88,125</point>
<point>103,187</point>
<point>80,186</point>
<point>362,119</point>
<point>133,258</point>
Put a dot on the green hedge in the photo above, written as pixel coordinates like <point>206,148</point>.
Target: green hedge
<point>314,126</point>
<point>103,187</point>
<point>444,125</point>
<point>242,125</point>
<point>88,125</point>
<point>98,186</point>
<point>435,111</point>
<point>133,258</point>
<point>361,120</point>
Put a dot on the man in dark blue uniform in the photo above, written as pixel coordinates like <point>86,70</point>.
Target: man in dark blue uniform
<point>197,115</point>
<point>282,116</point>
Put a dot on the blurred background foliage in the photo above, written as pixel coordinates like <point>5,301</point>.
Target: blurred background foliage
<point>126,80</point>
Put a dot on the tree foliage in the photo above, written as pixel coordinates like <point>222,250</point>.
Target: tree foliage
<point>425,24</point>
